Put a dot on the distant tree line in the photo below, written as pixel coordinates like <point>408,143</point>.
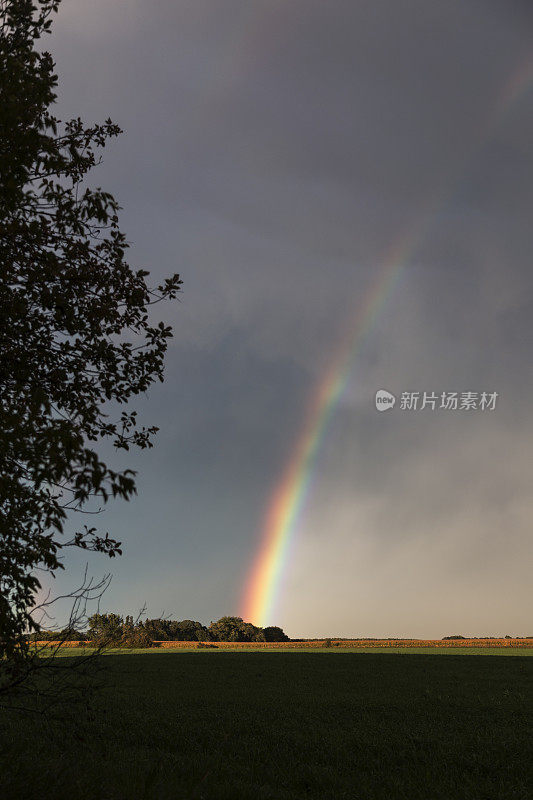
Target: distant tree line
<point>113,629</point>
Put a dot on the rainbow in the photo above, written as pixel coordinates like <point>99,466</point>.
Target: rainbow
<point>288,499</point>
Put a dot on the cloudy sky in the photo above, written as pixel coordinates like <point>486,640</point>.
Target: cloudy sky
<point>274,152</point>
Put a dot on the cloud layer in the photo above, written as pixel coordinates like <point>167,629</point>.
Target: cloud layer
<point>273,153</point>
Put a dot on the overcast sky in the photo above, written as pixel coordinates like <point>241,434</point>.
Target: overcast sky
<point>273,151</point>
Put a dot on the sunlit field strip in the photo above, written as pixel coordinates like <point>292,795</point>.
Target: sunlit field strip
<point>492,646</point>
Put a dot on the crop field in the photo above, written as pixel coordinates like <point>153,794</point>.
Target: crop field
<point>69,649</point>
<point>229,725</point>
<point>509,645</point>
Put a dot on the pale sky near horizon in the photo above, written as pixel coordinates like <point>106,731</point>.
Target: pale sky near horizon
<point>273,151</point>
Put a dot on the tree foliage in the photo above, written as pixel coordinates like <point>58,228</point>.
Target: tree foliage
<point>76,335</point>
<point>112,630</point>
<point>234,629</point>
<point>186,630</point>
<point>115,630</point>
<point>106,627</point>
<point>274,634</point>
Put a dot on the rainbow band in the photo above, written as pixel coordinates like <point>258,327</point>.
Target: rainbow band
<point>288,499</point>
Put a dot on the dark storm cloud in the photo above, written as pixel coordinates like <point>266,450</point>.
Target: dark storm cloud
<point>273,153</point>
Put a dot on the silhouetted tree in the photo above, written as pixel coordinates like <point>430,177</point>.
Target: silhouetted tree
<point>75,333</point>
<point>187,630</point>
<point>134,634</point>
<point>112,630</point>
<point>157,629</point>
<point>274,634</point>
<point>234,629</point>
<point>106,627</point>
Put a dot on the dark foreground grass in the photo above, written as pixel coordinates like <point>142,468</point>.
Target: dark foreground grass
<point>252,726</point>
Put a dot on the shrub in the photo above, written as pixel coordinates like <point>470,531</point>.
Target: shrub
<point>137,638</point>
<point>234,629</point>
<point>274,634</point>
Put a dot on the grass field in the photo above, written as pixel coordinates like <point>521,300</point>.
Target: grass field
<point>193,648</point>
<point>230,725</point>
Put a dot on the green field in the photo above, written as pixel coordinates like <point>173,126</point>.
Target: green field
<point>257,725</point>
<point>439,651</point>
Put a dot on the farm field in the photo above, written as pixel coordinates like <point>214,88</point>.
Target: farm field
<point>507,646</point>
<point>221,725</point>
<point>67,650</point>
